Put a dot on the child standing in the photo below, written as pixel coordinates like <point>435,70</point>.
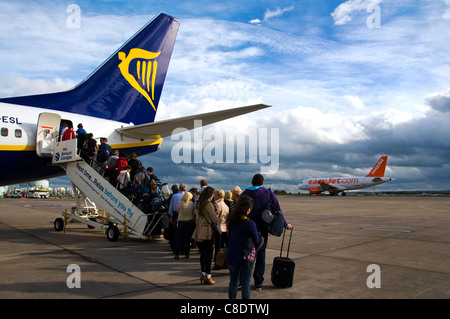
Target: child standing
<point>242,245</point>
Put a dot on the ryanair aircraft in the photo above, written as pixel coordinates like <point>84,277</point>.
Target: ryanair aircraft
<point>118,101</point>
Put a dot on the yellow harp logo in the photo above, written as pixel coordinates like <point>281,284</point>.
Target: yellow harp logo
<point>146,71</point>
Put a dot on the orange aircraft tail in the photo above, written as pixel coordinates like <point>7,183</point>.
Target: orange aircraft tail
<point>379,168</point>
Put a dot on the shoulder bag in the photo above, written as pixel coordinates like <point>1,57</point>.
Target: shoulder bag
<point>272,218</point>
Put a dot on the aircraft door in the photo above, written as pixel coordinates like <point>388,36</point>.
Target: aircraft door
<point>47,133</point>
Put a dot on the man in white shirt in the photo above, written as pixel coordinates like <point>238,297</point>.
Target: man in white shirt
<point>124,180</point>
<point>174,202</point>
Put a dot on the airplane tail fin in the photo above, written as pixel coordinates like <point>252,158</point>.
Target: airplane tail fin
<point>379,168</point>
<point>127,86</point>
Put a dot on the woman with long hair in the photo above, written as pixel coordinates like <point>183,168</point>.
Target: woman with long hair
<point>243,241</point>
<point>203,233</point>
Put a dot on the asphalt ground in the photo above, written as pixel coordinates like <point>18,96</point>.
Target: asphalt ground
<point>374,247</point>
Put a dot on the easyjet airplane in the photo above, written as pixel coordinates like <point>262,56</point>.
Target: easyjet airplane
<point>335,185</point>
<point>118,101</point>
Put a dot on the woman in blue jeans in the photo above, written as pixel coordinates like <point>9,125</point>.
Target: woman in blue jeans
<point>243,240</point>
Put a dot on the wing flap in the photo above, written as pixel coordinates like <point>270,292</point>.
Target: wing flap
<point>326,187</point>
<point>165,128</point>
<point>324,184</point>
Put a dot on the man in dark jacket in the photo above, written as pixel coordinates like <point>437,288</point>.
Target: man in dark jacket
<point>89,148</point>
<point>261,197</point>
<point>104,152</point>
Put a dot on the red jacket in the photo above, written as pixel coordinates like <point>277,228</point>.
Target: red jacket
<point>68,134</point>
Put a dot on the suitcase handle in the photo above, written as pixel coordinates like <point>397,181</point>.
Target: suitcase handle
<point>289,245</point>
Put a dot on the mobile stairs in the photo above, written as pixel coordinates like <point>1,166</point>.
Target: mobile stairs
<point>98,203</point>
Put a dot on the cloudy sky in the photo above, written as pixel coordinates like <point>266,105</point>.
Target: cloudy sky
<point>348,81</point>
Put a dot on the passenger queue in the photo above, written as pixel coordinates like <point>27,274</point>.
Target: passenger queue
<point>223,225</point>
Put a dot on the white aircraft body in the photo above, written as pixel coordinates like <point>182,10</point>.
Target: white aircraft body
<point>118,101</point>
<point>335,185</point>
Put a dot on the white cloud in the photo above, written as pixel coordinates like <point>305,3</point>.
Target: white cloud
<point>269,14</point>
<point>47,45</point>
<point>255,21</point>
<point>392,117</point>
<point>23,86</point>
<point>356,103</point>
<point>310,125</point>
<point>277,12</point>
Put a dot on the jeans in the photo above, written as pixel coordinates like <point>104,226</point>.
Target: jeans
<point>241,273</point>
<point>206,252</point>
<point>260,264</point>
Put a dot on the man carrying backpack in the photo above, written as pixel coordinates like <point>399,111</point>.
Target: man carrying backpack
<point>89,149</point>
<point>104,152</point>
<point>152,176</point>
<point>261,196</point>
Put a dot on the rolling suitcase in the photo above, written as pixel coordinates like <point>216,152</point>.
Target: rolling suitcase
<point>282,274</point>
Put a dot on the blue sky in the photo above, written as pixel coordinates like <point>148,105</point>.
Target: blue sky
<point>343,91</point>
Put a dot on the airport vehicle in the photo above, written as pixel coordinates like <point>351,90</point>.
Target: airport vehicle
<point>16,193</point>
<point>37,192</point>
<point>118,101</point>
<point>334,185</point>
<point>36,189</point>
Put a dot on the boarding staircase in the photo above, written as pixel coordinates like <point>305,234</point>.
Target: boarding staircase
<point>101,205</point>
<point>98,203</point>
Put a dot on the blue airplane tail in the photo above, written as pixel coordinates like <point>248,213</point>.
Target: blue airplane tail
<point>127,86</point>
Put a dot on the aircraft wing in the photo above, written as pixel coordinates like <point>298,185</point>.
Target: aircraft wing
<point>326,186</point>
<point>165,128</point>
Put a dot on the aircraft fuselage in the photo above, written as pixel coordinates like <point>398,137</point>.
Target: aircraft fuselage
<point>18,131</point>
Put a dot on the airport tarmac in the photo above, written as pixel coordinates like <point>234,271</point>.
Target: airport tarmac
<point>335,241</point>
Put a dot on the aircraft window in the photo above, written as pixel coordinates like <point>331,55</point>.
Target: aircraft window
<point>18,133</point>
<point>4,131</point>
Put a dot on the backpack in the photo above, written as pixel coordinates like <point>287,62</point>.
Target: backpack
<point>159,184</point>
<point>82,136</point>
<point>122,164</point>
<point>156,204</point>
<point>104,152</point>
<point>142,176</point>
